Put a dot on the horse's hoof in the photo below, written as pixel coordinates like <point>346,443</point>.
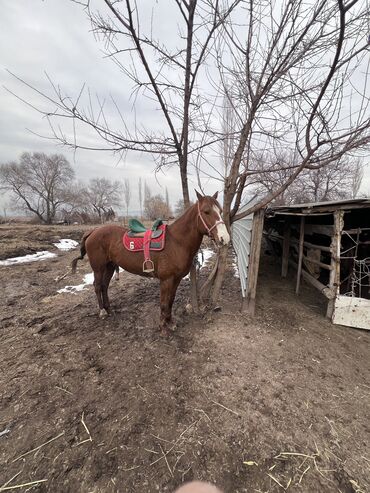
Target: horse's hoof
<point>103,313</point>
<point>165,333</point>
<point>173,327</point>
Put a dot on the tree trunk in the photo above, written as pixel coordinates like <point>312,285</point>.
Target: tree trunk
<point>214,282</point>
<point>205,290</point>
<point>194,289</point>
<point>48,213</point>
<point>219,277</point>
<point>212,286</point>
<point>193,271</point>
<point>184,180</point>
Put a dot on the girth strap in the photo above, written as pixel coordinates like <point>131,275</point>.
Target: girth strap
<point>148,265</point>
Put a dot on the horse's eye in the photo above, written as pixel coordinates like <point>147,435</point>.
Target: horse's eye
<point>206,212</point>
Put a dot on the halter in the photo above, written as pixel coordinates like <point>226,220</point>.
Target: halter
<point>220,221</point>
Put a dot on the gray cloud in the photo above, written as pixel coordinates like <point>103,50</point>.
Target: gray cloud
<point>55,36</point>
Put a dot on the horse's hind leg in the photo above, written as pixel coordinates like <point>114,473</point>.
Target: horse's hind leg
<point>98,284</point>
<point>108,273</point>
<point>168,289</point>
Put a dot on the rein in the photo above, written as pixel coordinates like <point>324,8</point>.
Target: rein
<point>220,221</point>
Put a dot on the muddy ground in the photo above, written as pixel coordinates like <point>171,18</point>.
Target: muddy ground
<point>278,402</point>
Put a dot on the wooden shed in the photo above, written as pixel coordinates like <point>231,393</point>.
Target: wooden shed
<point>328,246</point>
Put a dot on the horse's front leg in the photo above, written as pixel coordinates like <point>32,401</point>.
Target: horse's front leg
<point>168,293</point>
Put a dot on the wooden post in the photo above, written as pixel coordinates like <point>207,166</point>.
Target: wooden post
<point>300,254</point>
<point>286,249</point>
<point>334,278</point>
<point>249,302</point>
<point>314,282</point>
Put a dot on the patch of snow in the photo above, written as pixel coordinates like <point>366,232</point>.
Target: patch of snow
<point>87,280</point>
<point>5,432</point>
<point>34,257</point>
<point>116,274</point>
<point>203,256</point>
<point>66,244</point>
<point>235,267</point>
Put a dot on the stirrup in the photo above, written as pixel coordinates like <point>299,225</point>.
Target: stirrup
<point>148,266</point>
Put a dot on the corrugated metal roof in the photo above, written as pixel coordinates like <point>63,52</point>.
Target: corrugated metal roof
<point>241,234</point>
<point>312,207</point>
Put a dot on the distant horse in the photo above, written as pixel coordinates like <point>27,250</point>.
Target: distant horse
<point>183,239</point>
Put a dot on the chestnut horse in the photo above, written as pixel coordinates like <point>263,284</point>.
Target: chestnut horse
<point>184,236</point>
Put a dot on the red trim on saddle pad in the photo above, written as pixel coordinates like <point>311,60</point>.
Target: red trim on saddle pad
<point>136,244</point>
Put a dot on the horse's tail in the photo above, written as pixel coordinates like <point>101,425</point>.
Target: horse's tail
<point>82,251</point>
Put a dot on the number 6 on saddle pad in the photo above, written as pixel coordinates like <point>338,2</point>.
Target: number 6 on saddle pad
<point>139,239</point>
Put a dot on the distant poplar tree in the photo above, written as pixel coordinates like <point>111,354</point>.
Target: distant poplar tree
<point>140,185</point>
<point>167,199</point>
<point>126,194</point>
<point>147,192</point>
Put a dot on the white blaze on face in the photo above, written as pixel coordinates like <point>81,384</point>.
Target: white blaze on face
<point>222,232</point>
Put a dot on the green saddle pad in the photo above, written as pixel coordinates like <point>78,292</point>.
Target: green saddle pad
<point>137,227</point>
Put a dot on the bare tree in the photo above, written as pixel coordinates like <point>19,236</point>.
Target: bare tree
<point>75,202</point>
<point>356,177</point>
<point>165,73</point>
<point>180,207</point>
<point>287,74</point>
<point>156,208</point>
<point>4,215</point>
<point>140,186</point>
<point>38,183</point>
<point>126,194</point>
<point>332,182</point>
<point>102,195</point>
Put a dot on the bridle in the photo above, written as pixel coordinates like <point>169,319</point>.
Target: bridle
<point>220,221</point>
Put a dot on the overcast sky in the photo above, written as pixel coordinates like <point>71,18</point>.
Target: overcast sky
<point>55,36</point>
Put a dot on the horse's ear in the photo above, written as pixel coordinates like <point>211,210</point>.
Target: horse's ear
<point>199,196</point>
<point>215,195</point>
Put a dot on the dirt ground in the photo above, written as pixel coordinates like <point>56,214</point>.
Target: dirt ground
<point>278,402</point>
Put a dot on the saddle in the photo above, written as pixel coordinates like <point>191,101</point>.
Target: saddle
<point>137,229</point>
<point>140,239</point>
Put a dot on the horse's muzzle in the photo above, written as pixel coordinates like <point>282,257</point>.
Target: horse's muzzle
<point>222,235</point>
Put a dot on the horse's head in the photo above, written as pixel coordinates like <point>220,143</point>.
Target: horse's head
<point>210,219</point>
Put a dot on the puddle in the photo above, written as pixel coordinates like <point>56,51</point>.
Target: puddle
<point>34,257</point>
<point>66,244</point>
